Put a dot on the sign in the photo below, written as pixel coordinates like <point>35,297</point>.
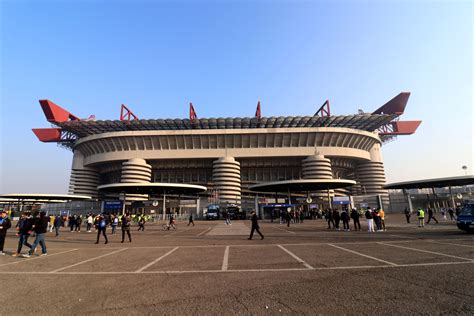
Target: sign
<point>309,200</point>
<point>155,203</point>
<point>113,205</point>
<point>152,211</point>
<point>364,205</point>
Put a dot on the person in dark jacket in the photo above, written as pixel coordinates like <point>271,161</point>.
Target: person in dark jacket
<point>329,219</point>
<point>126,223</point>
<point>431,216</point>
<point>24,227</point>
<point>40,227</point>
<point>5,224</point>
<point>337,218</point>
<point>191,221</point>
<point>345,219</point>
<point>101,225</point>
<point>355,219</point>
<point>255,226</point>
<point>57,224</point>
<point>141,223</point>
<point>370,220</point>
<point>407,214</point>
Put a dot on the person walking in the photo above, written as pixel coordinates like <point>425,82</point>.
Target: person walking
<point>407,215</point>
<point>57,224</point>
<point>370,220</point>
<point>40,227</point>
<point>345,220</point>
<point>382,219</point>
<point>337,218</point>
<point>101,225</point>
<point>24,226</point>
<point>126,223</point>
<point>328,216</point>
<point>421,217</point>
<point>355,219</point>
<point>451,214</point>
<point>375,215</point>
<point>431,216</point>
<point>141,223</point>
<point>78,223</point>
<point>115,222</point>
<point>288,218</point>
<point>255,226</point>
<point>5,224</point>
<point>90,221</point>
<point>191,221</point>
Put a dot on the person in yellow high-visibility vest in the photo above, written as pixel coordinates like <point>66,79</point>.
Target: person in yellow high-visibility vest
<point>421,217</point>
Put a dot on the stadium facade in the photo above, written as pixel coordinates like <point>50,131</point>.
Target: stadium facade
<point>227,155</point>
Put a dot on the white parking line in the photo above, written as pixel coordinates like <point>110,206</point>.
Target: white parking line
<point>243,270</point>
<point>363,255</point>
<point>288,231</point>
<point>225,262</point>
<point>202,233</point>
<point>88,260</point>
<point>29,259</point>
<point>426,251</point>
<point>450,244</point>
<point>307,265</point>
<point>156,260</point>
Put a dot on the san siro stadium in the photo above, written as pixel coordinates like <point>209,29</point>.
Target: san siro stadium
<point>228,155</point>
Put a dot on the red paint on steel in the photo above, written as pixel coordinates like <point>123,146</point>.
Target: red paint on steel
<point>55,113</point>
<point>324,110</point>
<point>48,135</point>
<point>192,113</point>
<point>126,114</point>
<point>395,106</point>
<point>401,128</point>
<point>258,112</point>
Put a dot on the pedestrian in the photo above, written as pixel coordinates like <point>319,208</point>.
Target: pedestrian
<point>431,216</point>
<point>51,223</point>
<point>288,218</point>
<point>407,214</point>
<point>421,217</point>
<point>370,220</point>
<point>329,219</point>
<point>126,223</point>
<point>382,219</point>
<point>5,224</point>
<point>345,220</point>
<point>40,227</point>
<point>255,226</point>
<point>375,215</point>
<point>141,223</point>
<point>78,223</point>
<point>191,221</point>
<point>101,225</point>
<point>115,222</point>
<point>355,219</point>
<point>24,227</point>
<point>443,213</point>
<point>90,221</point>
<point>57,224</point>
<point>337,218</point>
<point>451,214</point>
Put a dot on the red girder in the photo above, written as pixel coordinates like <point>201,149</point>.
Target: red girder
<point>126,114</point>
<point>258,112</point>
<point>325,109</point>
<point>192,112</point>
<point>55,113</point>
<point>399,128</point>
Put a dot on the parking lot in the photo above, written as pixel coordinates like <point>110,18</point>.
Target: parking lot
<point>212,268</point>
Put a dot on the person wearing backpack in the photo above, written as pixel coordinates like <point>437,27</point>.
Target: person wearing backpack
<point>101,225</point>
<point>115,222</point>
<point>5,224</point>
<point>126,223</point>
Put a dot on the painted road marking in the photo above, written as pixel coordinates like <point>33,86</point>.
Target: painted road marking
<point>426,251</point>
<point>243,270</point>
<point>363,255</point>
<point>29,259</point>
<point>288,231</point>
<point>202,233</point>
<point>225,262</point>
<point>88,260</point>
<point>450,244</point>
<point>156,260</point>
<point>308,266</point>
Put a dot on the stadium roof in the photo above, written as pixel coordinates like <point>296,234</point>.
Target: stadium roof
<point>367,122</point>
<point>31,197</point>
<point>153,188</point>
<point>432,183</point>
<point>303,185</point>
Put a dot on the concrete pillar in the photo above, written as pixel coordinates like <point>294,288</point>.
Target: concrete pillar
<point>318,167</point>
<point>226,177</point>
<point>136,171</point>
<point>84,180</point>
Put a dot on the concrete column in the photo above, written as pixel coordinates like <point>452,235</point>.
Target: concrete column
<point>318,167</point>
<point>84,180</point>
<point>136,171</point>
<point>226,177</point>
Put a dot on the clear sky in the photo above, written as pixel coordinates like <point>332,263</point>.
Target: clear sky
<point>157,56</point>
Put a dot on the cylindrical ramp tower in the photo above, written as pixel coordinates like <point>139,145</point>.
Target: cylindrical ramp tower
<point>317,167</point>
<point>136,171</point>
<point>84,182</point>
<point>226,177</point>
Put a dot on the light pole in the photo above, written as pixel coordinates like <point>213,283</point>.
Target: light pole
<point>465,169</point>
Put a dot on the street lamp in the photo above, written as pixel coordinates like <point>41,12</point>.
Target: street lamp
<point>465,169</point>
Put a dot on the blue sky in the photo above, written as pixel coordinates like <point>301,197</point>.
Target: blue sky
<point>157,56</point>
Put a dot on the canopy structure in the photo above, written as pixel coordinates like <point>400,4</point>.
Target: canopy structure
<point>153,188</point>
<point>38,197</point>
<point>303,185</point>
<point>432,183</point>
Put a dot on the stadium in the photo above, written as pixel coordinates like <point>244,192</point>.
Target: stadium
<point>229,155</point>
